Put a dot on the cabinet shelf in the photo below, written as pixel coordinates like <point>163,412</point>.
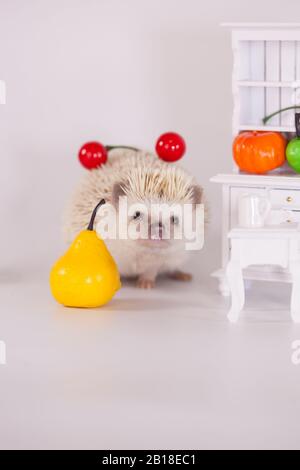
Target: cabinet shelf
<point>266,78</point>
<point>253,127</point>
<point>268,84</point>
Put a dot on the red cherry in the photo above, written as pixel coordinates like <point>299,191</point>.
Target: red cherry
<point>92,155</point>
<point>170,147</point>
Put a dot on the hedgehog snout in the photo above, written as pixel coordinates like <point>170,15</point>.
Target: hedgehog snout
<point>156,230</point>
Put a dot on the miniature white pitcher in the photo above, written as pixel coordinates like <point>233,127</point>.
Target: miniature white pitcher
<point>253,210</point>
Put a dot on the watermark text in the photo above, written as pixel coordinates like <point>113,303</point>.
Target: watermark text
<point>295,358</point>
<point>153,221</point>
<point>2,353</point>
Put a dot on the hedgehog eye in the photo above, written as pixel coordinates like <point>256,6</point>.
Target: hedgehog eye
<point>174,220</point>
<point>137,215</point>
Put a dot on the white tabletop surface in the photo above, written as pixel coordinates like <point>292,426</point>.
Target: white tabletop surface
<point>284,230</point>
<point>160,370</point>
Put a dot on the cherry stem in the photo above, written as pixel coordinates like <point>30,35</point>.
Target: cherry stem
<point>91,224</point>
<point>112,147</point>
<point>267,118</point>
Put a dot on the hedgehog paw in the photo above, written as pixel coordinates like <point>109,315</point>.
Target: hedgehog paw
<point>143,283</point>
<point>180,276</point>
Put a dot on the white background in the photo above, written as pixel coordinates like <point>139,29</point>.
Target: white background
<point>160,369</point>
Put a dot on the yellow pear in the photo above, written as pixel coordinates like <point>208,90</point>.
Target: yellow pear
<point>86,275</point>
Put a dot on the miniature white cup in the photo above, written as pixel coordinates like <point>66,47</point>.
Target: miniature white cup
<point>253,210</point>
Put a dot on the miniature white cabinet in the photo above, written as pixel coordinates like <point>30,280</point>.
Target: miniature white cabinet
<point>266,78</point>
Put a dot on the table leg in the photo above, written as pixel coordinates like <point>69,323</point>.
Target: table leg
<point>224,287</point>
<point>236,284</point>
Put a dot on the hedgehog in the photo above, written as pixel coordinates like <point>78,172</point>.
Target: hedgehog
<point>144,179</point>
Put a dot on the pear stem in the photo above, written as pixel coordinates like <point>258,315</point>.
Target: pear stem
<point>91,224</point>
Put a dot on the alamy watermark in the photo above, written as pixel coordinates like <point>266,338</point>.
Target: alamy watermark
<point>2,353</point>
<point>159,222</point>
<point>295,358</point>
<point>2,92</point>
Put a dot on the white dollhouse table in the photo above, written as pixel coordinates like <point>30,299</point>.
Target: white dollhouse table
<point>270,245</point>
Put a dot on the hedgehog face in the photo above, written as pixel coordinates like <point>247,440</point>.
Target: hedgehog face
<point>151,223</point>
<point>157,224</point>
<point>155,202</point>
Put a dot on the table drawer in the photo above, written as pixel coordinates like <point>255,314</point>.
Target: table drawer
<point>283,216</point>
<point>287,198</point>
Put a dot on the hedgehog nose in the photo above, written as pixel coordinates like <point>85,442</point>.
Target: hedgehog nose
<point>160,229</point>
<point>156,230</point>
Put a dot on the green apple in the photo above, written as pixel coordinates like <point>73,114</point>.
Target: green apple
<point>293,154</point>
<point>293,148</point>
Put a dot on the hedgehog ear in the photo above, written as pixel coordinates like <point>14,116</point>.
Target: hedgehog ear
<point>197,194</point>
<point>118,191</point>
